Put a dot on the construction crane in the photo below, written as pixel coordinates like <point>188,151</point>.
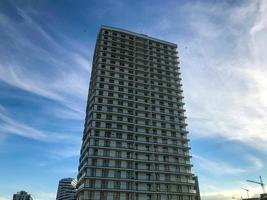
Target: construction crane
<point>260,183</point>
<point>247,190</point>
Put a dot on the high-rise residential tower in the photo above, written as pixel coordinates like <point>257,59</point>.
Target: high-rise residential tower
<point>22,195</point>
<point>135,144</point>
<point>66,189</point>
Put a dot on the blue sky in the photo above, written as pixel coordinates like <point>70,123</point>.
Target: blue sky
<point>45,63</point>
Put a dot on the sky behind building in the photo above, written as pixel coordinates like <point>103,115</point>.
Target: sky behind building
<point>45,63</point>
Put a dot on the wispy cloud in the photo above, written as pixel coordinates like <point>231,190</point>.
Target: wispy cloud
<point>65,152</point>
<point>224,72</point>
<point>221,167</point>
<point>68,82</point>
<point>218,167</point>
<point>10,126</point>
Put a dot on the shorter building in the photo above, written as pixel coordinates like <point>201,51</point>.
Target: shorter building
<point>67,189</point>
<point>264,196</point>
<point>22,195</point>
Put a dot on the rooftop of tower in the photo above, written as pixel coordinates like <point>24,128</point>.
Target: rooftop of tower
<point>138,34</point>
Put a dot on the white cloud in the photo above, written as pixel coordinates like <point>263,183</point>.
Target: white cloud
<point>10,126</point>
<point>224,73</point>
<point>65,152</point>
<point>4,198</point>
<point>44,195</point>
<point>221,167</point>
<point>218,167</point>
<point>68,84</point>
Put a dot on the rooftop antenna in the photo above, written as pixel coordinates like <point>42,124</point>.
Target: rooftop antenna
<point>259,183</point>
<point>247,190</point>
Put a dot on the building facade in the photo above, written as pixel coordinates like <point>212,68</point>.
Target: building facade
<point>135,143</point>
<point>67,189</point>
<point>22,195</point>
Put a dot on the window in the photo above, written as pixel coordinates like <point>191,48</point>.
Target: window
<point>109,117</point>
<point>119,126</point>
<point>104,185</point>
<point>92,172</point>
<point>109,109</point>
<point>119,118</point>
<point>91,183</point>
<point>104,172</point>
<point>118,144</point>
<point>100,92</point>
<point>120,102</point>
<point>94,161</point>
<point>96,133</point>
<point>107,143</point>
<point>97,124</point>
<point>105,163</point>
<point>117,184</point>
<point>106,153</point>
<point>95,152</point>
<point>118,154</point>
<point>108,125</point>
<point>120,96</point>
<point>117,174</point>
<point>118,163</point>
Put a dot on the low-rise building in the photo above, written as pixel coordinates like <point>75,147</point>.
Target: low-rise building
<point>67,189</point>
<point>22,195</point>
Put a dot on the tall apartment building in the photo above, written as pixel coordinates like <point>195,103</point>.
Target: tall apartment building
<point>22,195</point>
<point>135,143</point>
<point>66,189</point>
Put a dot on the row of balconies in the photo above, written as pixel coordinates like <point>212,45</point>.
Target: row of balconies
<point>144,170</point>
<point>153,84</point>
<point>135,112</point>
<point>138,146</point>
<point>130,37</point>
<point>146,63</point>
<point>137,56</point>
<point>130,45</point>
<point>153,93</point>
<point>143,100</point>
<point>130,57</point>
<point>142,139</point>
<point>113,69</point>
<point>126,144</point>
<point>122,62</point>
<point>137,93</point>
<point>171,161</point>
<point>140,114</point>
<point>136,179</point>
<point>157,137</point>
<point>156,103</point>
